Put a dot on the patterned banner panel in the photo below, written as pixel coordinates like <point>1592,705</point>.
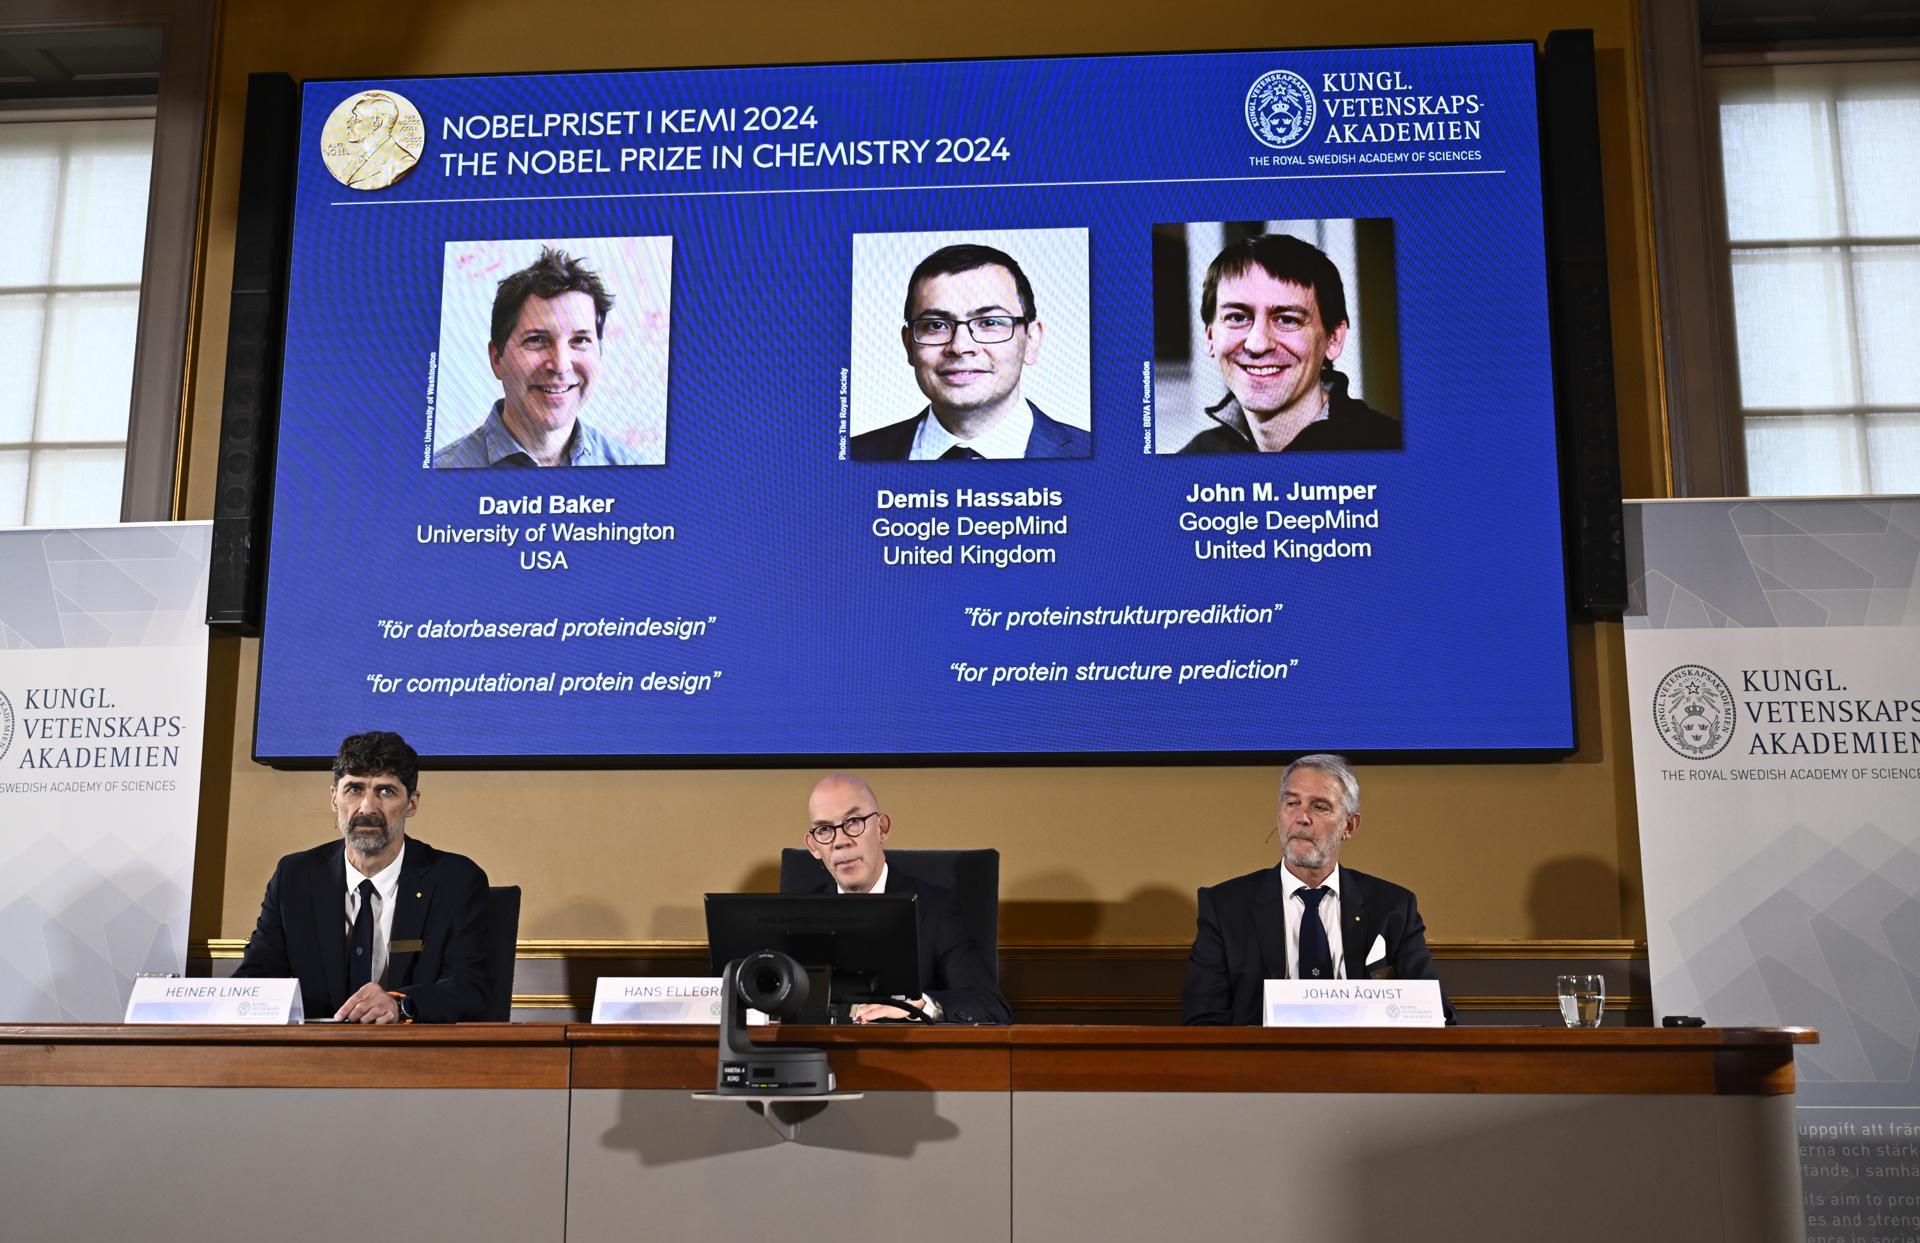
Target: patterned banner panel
<point>1773,661</point>
<point>103,669</point>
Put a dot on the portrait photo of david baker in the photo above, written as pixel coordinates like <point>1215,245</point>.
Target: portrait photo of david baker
<point>562,384</point>
<point>981,355</point>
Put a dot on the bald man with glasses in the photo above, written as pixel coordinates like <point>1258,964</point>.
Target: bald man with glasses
<point>848,835</point>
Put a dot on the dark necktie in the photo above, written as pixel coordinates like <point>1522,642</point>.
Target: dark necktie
<point>960,453</point>
<point>1316,960</point>
<point>360,965</point>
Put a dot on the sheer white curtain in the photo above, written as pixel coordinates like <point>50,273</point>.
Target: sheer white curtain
<point>1821,166</point>
<point>72,232</point>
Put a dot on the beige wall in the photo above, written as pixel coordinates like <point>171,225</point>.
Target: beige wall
<point>1095,854</point>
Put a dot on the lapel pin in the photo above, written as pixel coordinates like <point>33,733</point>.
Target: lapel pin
<point>418,894</point>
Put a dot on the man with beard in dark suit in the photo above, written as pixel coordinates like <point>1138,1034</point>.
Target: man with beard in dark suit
<point>379,927</point>
<point>1308,917</point>
<point>848,835</point>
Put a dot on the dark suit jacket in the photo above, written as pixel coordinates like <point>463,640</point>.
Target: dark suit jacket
<point>1241,942</point>
<point>893,442</point>
<point>952,972</point>
<point>441,903</point>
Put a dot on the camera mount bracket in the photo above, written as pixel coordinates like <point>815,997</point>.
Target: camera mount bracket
<point>783,1113</point>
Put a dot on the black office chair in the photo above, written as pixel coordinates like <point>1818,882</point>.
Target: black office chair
<point>973,876</point>
<point>503,934</point>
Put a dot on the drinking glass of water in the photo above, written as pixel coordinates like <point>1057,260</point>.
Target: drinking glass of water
<point>1582,998</point>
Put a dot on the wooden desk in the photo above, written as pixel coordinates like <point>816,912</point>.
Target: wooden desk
<point>1609,1060</point>
<point>1029,1133</point>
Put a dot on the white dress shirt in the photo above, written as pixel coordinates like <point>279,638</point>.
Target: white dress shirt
<point>879,886</point>
<point>386,883</point>
<point>1296,907</point>
<point>1005,440</point>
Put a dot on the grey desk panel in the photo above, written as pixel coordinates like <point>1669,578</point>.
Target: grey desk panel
<point>208,1165</point>
<point>1759,1152</point>
<point>1365,1168</point>
<point>659,1164</point>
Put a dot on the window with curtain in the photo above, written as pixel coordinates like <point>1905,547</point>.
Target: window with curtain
<point>72,234</point>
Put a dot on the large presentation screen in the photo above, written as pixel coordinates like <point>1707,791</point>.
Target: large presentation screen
<point>1141,406</point>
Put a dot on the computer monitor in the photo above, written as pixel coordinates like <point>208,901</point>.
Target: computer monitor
<point>855,946</point>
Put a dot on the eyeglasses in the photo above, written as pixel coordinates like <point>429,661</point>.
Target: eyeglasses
<point>852,826</point>
<point>984,329</point>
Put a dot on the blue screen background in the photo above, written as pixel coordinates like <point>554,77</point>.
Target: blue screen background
<point>1451,636</point>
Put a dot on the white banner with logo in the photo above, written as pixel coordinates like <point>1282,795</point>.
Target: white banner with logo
<point>103,678</point>
<point>1773,661</point>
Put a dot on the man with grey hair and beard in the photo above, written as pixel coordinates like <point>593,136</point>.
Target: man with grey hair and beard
<point>379,928</point>
<point>1308,917</point>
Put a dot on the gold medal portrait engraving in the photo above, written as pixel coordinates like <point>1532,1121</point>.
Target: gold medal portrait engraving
<point>372,140</point>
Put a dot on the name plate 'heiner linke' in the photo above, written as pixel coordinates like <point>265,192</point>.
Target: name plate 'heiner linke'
<point>1352,1003</point>
<point>173,1000</point>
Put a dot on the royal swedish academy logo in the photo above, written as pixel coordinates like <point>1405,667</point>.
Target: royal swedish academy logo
<point>6,724</point>
<point>1694,712</point>
<point>1280,108</point>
